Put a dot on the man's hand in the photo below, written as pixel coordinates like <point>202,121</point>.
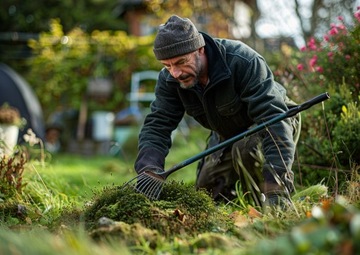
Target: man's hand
<point>154,169</point>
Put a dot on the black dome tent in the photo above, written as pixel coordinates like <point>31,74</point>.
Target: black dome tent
<point>15,91</point>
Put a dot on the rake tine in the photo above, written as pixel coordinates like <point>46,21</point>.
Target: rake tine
<point>158,189</point>
<point>145,184</point>
<point>130,183</point>
<point>135,182</point>
<point>154,189</point>
<point>148,187</point>
<point>142,183</point>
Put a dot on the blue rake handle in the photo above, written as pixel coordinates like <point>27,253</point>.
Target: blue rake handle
<point>290,113</point>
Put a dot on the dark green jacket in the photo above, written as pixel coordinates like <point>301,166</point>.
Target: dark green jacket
<point>241,92</point>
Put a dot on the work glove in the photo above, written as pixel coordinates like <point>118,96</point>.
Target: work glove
<point>154,169</point>
<point>149,159</point>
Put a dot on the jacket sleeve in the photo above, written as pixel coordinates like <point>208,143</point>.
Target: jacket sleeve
<point>149,159</point>
<point>155,135</point>
<point>266,99</point>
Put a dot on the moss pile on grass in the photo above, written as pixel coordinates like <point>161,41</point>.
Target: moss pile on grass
<point>180,210</point>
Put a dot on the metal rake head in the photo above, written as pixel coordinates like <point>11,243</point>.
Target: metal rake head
<point>148,183</point>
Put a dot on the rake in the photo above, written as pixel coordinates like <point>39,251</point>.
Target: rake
<point>151,183</point>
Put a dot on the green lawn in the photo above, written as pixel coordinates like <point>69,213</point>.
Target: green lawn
<point>77,175</point>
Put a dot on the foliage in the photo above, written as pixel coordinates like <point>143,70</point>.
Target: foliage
<point>328,142</point>
<point>63,64</point>
<point>51,210</point>
<point>331,229</point>
<point>11,115</point>
<point>346,135</point>
<point>335,59</point>
<point>212,17</point>
<point>39,241</point>
<point>20,16</point>
<point>11,175</point>
<point>353,186</point>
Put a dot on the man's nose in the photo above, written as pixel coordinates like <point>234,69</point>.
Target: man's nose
<point>175,72</point>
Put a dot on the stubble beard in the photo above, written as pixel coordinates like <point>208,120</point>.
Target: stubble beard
<point>191,85</point>
<point>196,77</point>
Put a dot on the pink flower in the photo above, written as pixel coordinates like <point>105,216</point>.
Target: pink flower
<point>333,31</point>
<point>347,57</point>
<point>313,61</point>
<point>330,54</point>
<point>341,18</point>
<point>300,67</point>
<point>312,44</point>
<point>303,48</point>
<point>326,38</point>
<point>357,14</point>
<point>341,27</point>
<point>319,69</point>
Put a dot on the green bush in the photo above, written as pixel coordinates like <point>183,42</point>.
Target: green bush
<point>332,60</point>
<point>328,142</point>
<point>63,64</point>
<point>331,136</point>
<point>346,134</point>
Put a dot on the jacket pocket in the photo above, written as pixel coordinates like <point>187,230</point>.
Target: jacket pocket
<point>230,108</point>
<point>198,113</point>
<point>234,113</point>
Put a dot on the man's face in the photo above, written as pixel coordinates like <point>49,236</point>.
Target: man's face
<point>186,68</point>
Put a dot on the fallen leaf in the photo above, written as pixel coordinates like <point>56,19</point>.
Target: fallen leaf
<point>326,204</point>
<point>308,214</point>
<point>239,219</point>
<point>253,213</point>
<point>180,215</point>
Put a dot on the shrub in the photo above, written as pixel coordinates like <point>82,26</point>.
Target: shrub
<point>11,174</point>
<point>329,136</point>
<point>63,64</point>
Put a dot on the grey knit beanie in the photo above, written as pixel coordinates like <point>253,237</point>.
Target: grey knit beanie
<point>177,37</point>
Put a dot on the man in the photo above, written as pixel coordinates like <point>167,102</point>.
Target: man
<point>227,87</point>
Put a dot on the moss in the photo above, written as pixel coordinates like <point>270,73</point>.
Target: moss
<point>117,204</point>
<point>180,209</point>
<point>133,234</point>
<point>215,241</point>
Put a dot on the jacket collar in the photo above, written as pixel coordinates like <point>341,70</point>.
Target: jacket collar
<point>216,55</point>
